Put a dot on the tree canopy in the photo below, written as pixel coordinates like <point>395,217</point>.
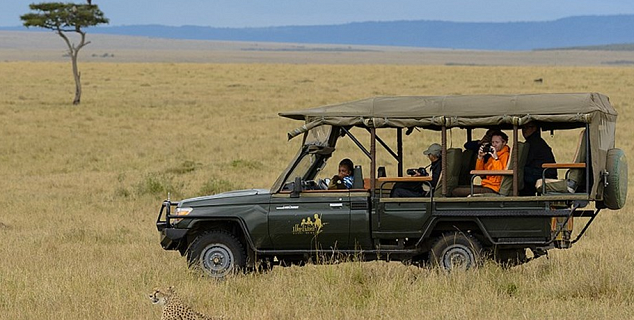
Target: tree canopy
<point>63,17</point>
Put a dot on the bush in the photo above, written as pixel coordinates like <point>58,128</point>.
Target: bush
<point>213,186</point>
<point>185,167</point>
<point>158,185</point>
<point>246,164</point>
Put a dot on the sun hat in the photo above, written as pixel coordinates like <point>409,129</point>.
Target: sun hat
<point>434,149</point>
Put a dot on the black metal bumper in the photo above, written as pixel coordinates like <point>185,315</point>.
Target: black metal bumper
<point>170,237</point>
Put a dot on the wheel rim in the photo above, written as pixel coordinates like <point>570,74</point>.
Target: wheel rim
<point>217,259</point>
<point>457,256</point>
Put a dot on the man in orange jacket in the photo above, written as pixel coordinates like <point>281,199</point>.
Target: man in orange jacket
<point>493,156</point>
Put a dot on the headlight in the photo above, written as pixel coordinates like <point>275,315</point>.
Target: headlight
<point>182,212</point>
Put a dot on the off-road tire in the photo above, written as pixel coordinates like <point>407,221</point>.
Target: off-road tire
<point>217,253</point>
<point>457,250</point>
<point>615,193</point>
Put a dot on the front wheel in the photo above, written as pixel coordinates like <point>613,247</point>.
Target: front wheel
<point>217,252</point>
<point>456,251</point>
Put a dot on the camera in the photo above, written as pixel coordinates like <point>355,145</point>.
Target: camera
<point>422,171</point>
<point>487,148</point>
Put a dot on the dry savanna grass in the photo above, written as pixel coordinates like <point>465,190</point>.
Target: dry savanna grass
<point>82,187</point>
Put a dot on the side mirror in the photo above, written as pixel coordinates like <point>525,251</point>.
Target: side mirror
<point>297,187</point>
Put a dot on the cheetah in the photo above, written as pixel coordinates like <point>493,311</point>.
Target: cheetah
<point>174,308</point>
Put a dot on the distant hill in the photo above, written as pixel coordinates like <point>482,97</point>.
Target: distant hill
<point>577,31</point>
<point>607,47</point>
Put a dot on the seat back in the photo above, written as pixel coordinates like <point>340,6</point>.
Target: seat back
<point>357,183</point>
<point>468,162</point>
<point>454,157</point>
<point>579,175</point>
<point>575,177</point>
<point>506,187</point>
<point>380,173</point>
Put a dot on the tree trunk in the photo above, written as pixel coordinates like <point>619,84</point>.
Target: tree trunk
<point>76,75</point>
<point>73,51</point>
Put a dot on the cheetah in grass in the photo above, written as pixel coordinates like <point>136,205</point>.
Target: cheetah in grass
<point>174,308</point>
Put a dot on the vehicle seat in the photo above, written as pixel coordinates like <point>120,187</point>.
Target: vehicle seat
<point>454,164</point>
<point>506,186</point>
<point>381,172</point>
<point>468,162</point>
<point>574,176</point>
<point>357,183</point>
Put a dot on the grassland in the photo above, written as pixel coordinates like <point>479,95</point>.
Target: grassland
<point>82,186</point>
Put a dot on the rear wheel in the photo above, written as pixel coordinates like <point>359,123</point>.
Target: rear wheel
<point>217,253</point>
<point>456,251</point>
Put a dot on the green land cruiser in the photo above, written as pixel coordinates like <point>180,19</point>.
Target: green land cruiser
<point>298,218</point>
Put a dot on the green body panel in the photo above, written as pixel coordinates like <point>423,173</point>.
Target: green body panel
<point>360,232</point>
<point>310,221</point>
<point>248,208</point>
<point>401,219</point>
<point>511,222</point>
<point>517,227</point>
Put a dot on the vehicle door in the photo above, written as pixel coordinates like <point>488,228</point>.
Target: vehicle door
<point>400,217</point>
<point>316,219</point>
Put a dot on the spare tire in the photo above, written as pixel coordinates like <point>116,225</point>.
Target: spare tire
<point>615,193</point>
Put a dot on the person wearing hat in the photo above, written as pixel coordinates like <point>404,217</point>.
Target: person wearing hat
<point>415,189</point>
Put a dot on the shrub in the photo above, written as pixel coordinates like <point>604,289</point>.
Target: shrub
<point>158,185</point>
<point>213,186</point>
<point>185,167</point>
<point>246,164</point>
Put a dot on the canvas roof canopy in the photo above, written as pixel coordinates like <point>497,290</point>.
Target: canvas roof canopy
<point>553,110</point>
<point>457,111</point>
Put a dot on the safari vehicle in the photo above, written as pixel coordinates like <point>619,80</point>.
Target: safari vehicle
<point>298,218</point>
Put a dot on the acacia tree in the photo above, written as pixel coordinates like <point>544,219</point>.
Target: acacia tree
<point>62,18</point>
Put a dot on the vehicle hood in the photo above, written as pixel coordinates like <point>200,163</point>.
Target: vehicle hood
<point>230,197</point>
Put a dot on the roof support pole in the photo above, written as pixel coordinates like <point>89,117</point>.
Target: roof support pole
<point>399,150</point>
<point>444,159</point>
<point>356,141</point>
<point>372,161</point>
<point>588,164</point>
<point>387,148</point>
<point>515,161</point>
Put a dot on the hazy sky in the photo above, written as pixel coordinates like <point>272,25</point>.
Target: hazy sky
<point>262,13</point>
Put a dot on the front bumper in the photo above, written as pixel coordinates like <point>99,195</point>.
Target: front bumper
<point>171,237</point>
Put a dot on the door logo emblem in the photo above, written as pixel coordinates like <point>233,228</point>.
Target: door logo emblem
<point>310,226</point>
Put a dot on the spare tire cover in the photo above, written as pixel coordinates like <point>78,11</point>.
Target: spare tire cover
<point>615,194</point>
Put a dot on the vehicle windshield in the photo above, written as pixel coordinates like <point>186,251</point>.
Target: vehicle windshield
<point>304,166</point>
<point>318,136</point>
<point>309,160</point>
